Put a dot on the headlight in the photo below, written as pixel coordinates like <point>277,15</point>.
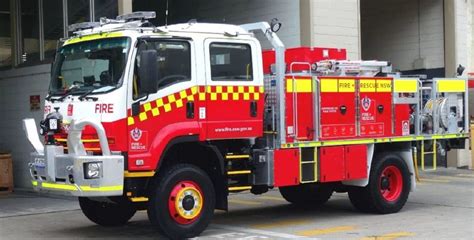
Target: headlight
<point>92,170</point>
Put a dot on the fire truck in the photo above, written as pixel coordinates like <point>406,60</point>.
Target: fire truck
<point>173,119</point>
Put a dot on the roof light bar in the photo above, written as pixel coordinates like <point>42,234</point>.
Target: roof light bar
<point>81,26</point>
<point>137,16</point>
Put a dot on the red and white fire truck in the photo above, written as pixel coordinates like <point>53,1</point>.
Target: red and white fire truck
<point>172,119</point>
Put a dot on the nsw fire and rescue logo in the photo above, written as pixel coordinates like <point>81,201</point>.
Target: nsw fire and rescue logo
<point>366,102</point>
<point>138,140</point>
<point>136,134</point>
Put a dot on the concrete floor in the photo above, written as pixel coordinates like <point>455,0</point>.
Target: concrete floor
<point>441,208</point>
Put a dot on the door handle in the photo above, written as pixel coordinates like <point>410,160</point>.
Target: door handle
<point>380,108</point>
<point>343,109</point>
<point>190,110</point>
<point>135,108</point>
<point>253,108</point>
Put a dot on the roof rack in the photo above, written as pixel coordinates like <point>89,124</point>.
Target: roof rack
<point>137,16</point>
<point>82,26</point>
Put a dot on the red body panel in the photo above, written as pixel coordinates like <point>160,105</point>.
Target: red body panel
<point>375,100</point>
<point>286,167</point>
<point>355,162</point>
<point>338,110</point>
<point>302,54</point>
<point>228,110</point>
<point>331,164</point>
<point>300,123</point>
<point>343,163</point>
<point>402,119</point>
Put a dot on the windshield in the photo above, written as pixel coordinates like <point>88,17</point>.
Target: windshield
<point>92,66</point>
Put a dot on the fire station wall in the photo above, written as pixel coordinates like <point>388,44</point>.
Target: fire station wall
<point>408,33</point>
<point>16,87</point>
<point>240,12</point>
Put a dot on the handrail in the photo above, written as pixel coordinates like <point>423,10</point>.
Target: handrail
<point>295,97</point>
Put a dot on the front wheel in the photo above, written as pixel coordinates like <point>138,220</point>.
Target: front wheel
<point>110,213</point>
<point>182,202</point>
<point>388,188</point>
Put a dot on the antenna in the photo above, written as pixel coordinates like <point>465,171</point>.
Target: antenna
<point>166,14</point>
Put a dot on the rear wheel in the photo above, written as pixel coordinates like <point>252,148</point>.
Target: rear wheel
<point>307,194</point>
<point>182,202</point>
<point>388,188</point>
<point>111,213</point>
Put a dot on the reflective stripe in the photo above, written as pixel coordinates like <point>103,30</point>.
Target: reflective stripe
<point>383,85</point>
<point>128,174</point>
<point>405,85</point>
<point>367,85</point>
<point>82,140</point>
<point>301,85</point>
<point>451,85</point>
<point>177,100</point>
<point>93,37</point>
<point>101,189</point>
<point>59,186</point>
<point>139,199</point>
<point>328,85</point>
<point>70,187</point>
<point>335,85</point>
<point>346,85</point>
<point>376,140</point>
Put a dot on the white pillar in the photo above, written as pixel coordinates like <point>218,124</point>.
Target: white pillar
<point>459,50</point>
<point>328,23</point>
<point>124,7</point>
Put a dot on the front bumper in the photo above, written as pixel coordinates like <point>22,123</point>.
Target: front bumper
<point>53,171</point>
<point>59,173</point>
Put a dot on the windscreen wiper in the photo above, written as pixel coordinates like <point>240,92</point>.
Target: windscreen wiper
<point>50,98</point>
<point>84,96</point>
<point>68,92</point>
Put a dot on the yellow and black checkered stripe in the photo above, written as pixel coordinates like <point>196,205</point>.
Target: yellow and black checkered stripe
<point>177,100</point>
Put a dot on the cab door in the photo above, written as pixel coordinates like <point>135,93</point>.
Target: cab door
<point>155,119</point>
<point>234,89</point>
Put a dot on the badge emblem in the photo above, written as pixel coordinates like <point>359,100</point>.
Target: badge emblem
<point>136,134</point>
<point>366,103</point>
<point>70,109</point>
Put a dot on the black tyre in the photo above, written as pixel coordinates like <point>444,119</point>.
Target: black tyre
<point>388,188</point>
<point>307,194</point>
<point>113,213</point>
<point>182,202</point>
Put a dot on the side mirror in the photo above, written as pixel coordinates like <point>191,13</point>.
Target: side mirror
<point>148,71</point>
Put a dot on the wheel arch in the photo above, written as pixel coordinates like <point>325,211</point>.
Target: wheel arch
<point>402,150</point>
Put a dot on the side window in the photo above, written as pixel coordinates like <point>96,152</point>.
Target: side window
<point>231,62</point>
<point>173,63</point>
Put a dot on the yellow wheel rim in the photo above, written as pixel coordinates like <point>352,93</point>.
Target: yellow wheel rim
<point>187,192</point>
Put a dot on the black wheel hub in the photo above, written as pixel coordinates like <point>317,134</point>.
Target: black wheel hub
<point>188,203</point>
<point>385,183</point>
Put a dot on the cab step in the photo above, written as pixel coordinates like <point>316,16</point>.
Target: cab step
<point>239,172</point>
<point>239,188</point>
<point>237,156</point>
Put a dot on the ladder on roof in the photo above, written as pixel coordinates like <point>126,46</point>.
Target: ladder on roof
<point>350,67</point>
